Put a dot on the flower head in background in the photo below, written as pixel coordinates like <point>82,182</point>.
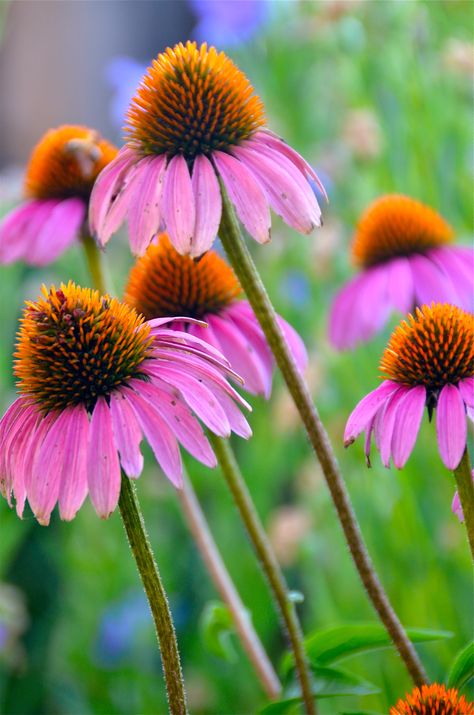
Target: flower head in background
<point>456,506</point>
<point>195,119</point>
<point>166,283</point>
<point>94,377</point>
<point>428,362</point>
<point>58,184</point>
<point>433,700</point>
<point>228,22</point>
<point>402,248</point>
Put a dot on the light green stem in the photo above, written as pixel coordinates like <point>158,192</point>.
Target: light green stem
<point>268,561</point>
<point>141,549</point>
<point>246,271</point>
<point>463,477</point>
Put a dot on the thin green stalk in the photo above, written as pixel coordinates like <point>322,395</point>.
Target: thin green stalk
<point>463,477</point>
<point>141,549</point>
<point>247,273</point>
<point>269,563</point>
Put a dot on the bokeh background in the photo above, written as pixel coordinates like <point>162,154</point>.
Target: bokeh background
<point>378,96</point>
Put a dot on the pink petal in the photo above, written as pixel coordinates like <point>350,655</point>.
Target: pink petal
<point>158,434</point>
<point>47,467</point>
<point>466,388</point>
<point>144,209</point>
<point>429,282</point>
<point>14,243</point>
<point>178,206</point>
<point>295,343</point>
<point>451,260</point>
<point>451,426</point>
<point>407,424</point>
<point>127,434</point>
<point>400,287</point>
<point>103,467</point>
<point>58,232</point>
<point>119,207</point>
<point>106,189</point>
<point>246,194</point>
<point>366,409</point>
<point>208,202</point>
<point>388,417</point>
<point>73,487</point>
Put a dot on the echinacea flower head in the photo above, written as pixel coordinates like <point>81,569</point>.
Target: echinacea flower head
<point>404,253</point>
<point>165,283</point>
<point>433,699</point>
<point>194,119</point>
<point>428,362</point>
<point>59,179</point>
<point>94,378</point>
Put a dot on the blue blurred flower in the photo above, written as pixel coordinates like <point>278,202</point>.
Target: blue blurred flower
<point>123,74</point>
<point>296,289</point>
<point>228,22</point>
<point>121,626</point>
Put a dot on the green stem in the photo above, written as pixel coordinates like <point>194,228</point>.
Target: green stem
<point>141,549</point>
<point>270,565</point>
<point>140,545</point>
<point>463,477</point>
<point>245,269</point>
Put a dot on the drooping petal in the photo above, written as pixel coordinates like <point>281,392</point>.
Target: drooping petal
<point>58,232</point>
<point>103,467</point>
<point>459,271</point>
<point>451,426</point>
<point>144,213</point>
<point>366,409</point>
<point>466,388</point>
<point>73,487</point>
<point>43,486</point>
<point>400,288</point>
<point>14,229</point>
<point>407,424</point>
<point>208,202</point>
<point>295,343</point>
<point>429,282</point>
<point>246,194</point>
<point>127,434</point>
<point>119,207</point>
<point>179,212</point>
<point>106,188</point>
<point>388,417</point>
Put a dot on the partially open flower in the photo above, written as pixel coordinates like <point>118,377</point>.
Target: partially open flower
<point>166,283</point>
<point>58,184</point>
<point>194,120</point>
<point>433,700</point>
<point>401,247</point>
<point>429,361</point>
<point>94,377</point>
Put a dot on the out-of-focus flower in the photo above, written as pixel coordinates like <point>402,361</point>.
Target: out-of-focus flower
<point>194,120</point>
<point>165,283</point>
<point>287,528</point>
<point>429,361</point>
<point>228,22</point>
<point>58,183</point>
<point>401,246</point>
<point>121,627</point>
<point>456,504</point>
<point>13,622</point>
<point>123,74</point>
<point>362,134</point>
<point>433,699</point>
<point>94,377</point>
<point>458,56</point>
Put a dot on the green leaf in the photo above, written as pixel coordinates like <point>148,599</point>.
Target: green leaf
<point>462,669</point>
<point>216,628</point>
<point>333,644</point>
<point>326,683</point>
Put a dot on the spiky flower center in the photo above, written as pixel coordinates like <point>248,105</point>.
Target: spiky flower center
<point>163,282</point>
<point>192,100</point>
<point>433,700</point>
<point>435,347</point>
<point>397,225</point>
<point>66,162</point>
<point>75,345</point>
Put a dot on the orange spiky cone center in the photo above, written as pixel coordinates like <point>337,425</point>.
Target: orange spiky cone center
<point>165,283</point>
<point>433,700</point>
<point>192,100</point>
<point>397,225</point>
<point>66,162</point>
<point>75,345</point>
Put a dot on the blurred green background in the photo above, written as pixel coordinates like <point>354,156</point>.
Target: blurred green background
<point>378,96</point>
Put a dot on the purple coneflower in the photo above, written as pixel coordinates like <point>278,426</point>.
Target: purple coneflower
<point>429,361</point>
<point>95,378</point>
<point>194,120</point>
<point>401,246</point>
<point>165,283</point>
<point>58,183</point>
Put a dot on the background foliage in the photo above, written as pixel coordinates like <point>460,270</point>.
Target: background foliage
<point>377,96</point>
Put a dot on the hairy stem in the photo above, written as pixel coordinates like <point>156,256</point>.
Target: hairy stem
<point>465,485</point>
<point>251,282</point>
<point>225,586</point>
<point>268,561</point>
